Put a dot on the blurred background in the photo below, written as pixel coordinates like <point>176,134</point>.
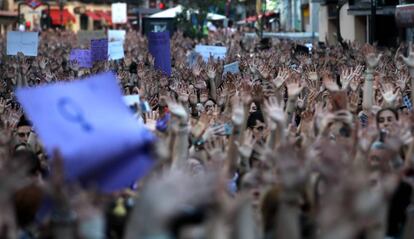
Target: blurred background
<point>387,22</point>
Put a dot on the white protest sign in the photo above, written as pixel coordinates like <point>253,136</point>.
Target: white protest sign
<point>24,42</point>
<point>119,12</point>
<point>116,35</point>
<point>131,100</point>
<point>115,50</point>
<point>231,68</point>
<point>217,52</point>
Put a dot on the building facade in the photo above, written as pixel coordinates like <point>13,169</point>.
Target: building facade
<point>356,23</point>
<point>74,15</point>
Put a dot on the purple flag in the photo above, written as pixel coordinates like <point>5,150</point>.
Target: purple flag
<point>101,142</point>
<point>82,57</point>
<point>99,50</point>
<point>159,47</point>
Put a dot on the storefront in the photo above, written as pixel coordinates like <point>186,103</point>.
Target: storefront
<point>8,19</point>
<point>73,15</point>
<point>404,16</point>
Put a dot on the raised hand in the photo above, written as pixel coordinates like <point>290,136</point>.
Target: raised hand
<point>281,77</point>
<point>238,112</point>
<point>151,60</point>
<point>178,110</point>
<point>246,148</point>
<point>265,71</point>
<point>330,84</point>
<point>217,130</point>
<point>347,75</point>
<point>312,72</point>
<point>253,67</point>
<point>274,110</point>
<point>355,83</point>
<point>402,80</point>
<point>2,105</point>
<point>372,60</point>
<point>353,102</point>
<point>151,120</point>
<point>389,93</point>
<point>215,148</point>
<point>193,98</point>
<point>409,61</point>
<point>204,96</point>
<point>197,70</point>
<point>211,71</point>
<point>183,94</point>
<point>294,86</point>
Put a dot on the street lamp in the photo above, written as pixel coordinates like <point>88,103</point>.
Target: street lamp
<point>372,21</point>
<point>61,5</point>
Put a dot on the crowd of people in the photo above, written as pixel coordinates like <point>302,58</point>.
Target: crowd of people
<point>297,145</point>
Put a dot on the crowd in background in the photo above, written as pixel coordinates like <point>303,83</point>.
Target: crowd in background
<point>296,145</point>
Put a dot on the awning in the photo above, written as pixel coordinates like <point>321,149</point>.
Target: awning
<point>56,15</point>
<point>93,15</point>
<point>7,13</point>
<point>254,18</point>
<point>105,15</point>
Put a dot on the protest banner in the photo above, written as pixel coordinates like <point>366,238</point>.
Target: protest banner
<point>82,57</point>
<point>24,42</point>
<point>116,35</point>
<point>159,47</point>
<point>85,37</point>
<point>119,12</point>
<point>101,142</point>
<point>231,68</point>
<point>217,52</point>
<point>99,50</point>
<point>192,58</point>
<point>115,50</point>
<point>131,100</point>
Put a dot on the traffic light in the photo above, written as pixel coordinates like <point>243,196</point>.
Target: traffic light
<point>161,5</point>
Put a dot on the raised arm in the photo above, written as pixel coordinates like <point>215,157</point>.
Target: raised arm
<point>409,61</point>
<point>372,61</point>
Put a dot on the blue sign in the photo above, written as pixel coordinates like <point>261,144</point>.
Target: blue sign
<point>87,120</point>
<point>159,47</point>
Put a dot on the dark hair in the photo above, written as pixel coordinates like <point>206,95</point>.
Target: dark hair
<point>383,110</point>
<point>24,122</point>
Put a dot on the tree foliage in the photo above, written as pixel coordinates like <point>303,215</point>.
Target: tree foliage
<point>193,18</point>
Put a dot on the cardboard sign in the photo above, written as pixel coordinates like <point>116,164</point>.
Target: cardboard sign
<point>115,50</point>
<point>116,35</point>
<point>101,142</point>
<point>119,12</point>
<point>24,42</point>
<point>82,57</point>
<point>99,50</point>
<point>159,47</point>
<point>131,100</point>
<point>192,58</point>
<point>231,68</point>
<point>217,52</point>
